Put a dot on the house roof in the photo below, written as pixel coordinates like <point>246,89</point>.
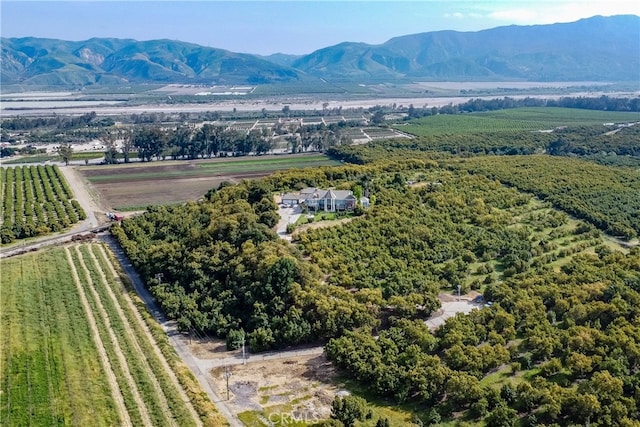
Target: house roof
<point>308,191</point>
<point>342,194</point>
<point>329,195</point>
<point>290,196</point>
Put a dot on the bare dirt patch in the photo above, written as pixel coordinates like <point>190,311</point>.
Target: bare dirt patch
<point>209,348</point>
<point>295,388</point>
<point>155,192</point>
<point>321,224</point>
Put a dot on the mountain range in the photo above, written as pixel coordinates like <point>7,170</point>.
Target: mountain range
<point>597,49</point>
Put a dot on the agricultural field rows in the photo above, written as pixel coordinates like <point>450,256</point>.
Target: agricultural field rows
<point>513,120</point>
<point>36,200</point>
<point>95,362</point>
<point>211,167</point>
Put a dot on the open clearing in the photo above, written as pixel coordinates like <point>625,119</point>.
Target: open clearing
<point>286,390</point>
<point>75,351</point>
<point>136,185</point>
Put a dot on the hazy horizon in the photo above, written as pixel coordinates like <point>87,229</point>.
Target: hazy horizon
<point>290,27</point>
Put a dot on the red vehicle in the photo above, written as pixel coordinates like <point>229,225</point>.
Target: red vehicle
<point>115,216</point>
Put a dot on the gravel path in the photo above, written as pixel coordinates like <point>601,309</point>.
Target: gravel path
<point>106,364</point>
<point>450,309</point>
<point>208,364</point>
<point>82,193</point>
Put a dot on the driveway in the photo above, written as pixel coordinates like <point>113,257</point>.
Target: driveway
<point>287,216</point>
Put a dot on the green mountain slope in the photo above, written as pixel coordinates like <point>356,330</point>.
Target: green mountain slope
<point>58,62</point>
<point>597,48</point>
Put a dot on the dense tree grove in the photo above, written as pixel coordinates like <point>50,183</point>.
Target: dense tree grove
<point>559,343</point>
<point>574,332</point>
<point>421,239</point>
<point>599,143</point>
<point>217,267</point>
<point>606,197</point>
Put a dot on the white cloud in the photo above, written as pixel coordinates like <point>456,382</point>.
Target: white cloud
<point>547,12</point>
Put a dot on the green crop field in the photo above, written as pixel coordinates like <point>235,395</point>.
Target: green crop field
<point>212,167</point>
<point>42,158</point>
<point>36,200</point>
<point>75,350</point>
<point>513,120</point>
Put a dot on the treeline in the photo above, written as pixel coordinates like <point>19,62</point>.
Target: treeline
<point>569,339</point>
<point>603,103</point>
<point>582,141</point>
<point>185,142</point>
<point>59,122</point>
<point>591,140</point>
<point>606,197</point>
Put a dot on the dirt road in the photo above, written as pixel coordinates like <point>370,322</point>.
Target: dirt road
<point>82,193</point>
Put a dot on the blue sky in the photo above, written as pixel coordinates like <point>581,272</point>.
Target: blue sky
<point>295,27</point>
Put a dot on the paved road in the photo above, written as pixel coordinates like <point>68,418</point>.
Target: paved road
<point>40,242</point>
<point>287,216</point>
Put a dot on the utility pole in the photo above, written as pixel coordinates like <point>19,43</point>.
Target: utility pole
<point>459,292</point>
<point>244,358</point>
<point>227,374</point>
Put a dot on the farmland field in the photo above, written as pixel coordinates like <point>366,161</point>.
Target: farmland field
<point>133,186</point>
<point>75,351</point>
<point>513,120</point>
<point>36,200</point>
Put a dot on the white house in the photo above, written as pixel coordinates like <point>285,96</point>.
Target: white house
<point>317,199</point>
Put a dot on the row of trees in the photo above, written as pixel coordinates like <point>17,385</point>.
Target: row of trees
<point>36,201</point>
<point>186,142</point>
<point>603,103</point>
<point>604,196</point>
